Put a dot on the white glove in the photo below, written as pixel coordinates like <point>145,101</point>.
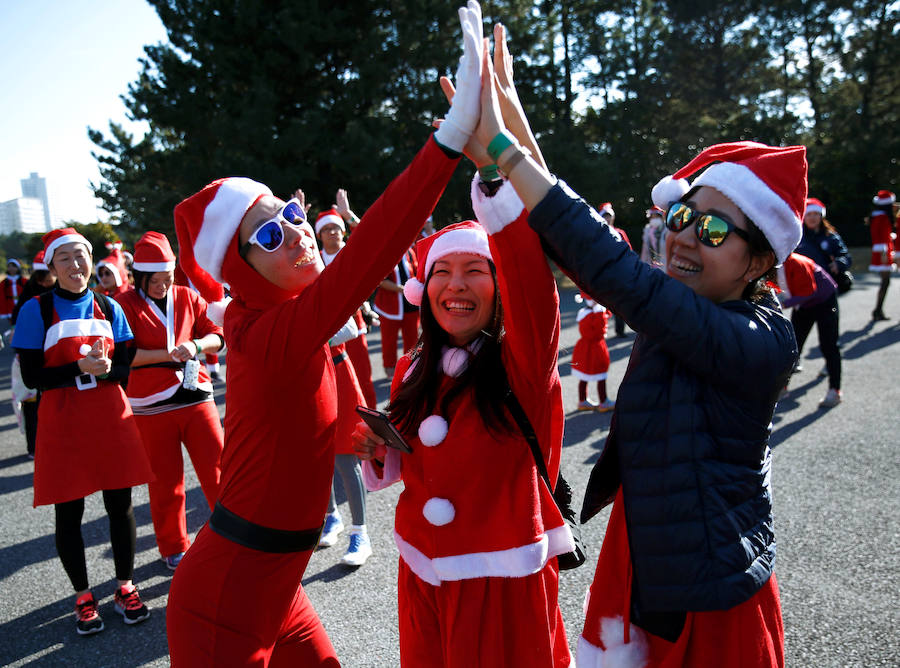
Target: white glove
<point>461,120</point>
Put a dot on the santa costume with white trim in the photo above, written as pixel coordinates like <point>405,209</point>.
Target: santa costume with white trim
<point>115,263</point>
<point>590,357</point>
<point>10,289</point>
<point>881,227</point>
<point>476,526</point>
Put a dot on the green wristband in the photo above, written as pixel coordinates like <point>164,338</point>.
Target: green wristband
<point>500,143</point>
<point>196,345</point>
<point>489,173</point>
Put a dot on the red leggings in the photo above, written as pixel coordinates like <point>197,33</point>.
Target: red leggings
<point>233,606</point>
<point>409,326</point>
<point>198,427</point>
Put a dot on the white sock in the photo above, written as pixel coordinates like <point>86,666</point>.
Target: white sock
<point>358,528</point>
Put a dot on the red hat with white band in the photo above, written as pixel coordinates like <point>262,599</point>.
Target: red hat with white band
<point>56,238</point>
<point>606,207</point>
<point>39,264</point>
<point>206,223</point>
<point>329,217</point>
<point>884,197</point>
<point>466,237</point>
<point>153,253</point>
<point>767,183</point>
<point>115,262</point>
<point>814,205</point>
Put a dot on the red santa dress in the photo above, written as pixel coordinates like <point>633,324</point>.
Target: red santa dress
<point>235,605</point>
<point>476,526</point>
<point>590,357</point>
<point>10,289</point>
<point>881,228</point>
<point>397,316</point>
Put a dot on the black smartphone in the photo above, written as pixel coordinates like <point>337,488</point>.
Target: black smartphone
<point>381,424</point>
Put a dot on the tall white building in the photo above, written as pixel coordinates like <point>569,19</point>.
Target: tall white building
<point>36,186</point>
<point>29,213</point>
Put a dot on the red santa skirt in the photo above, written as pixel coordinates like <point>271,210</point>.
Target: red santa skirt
<point>749,634</point>
<point>88,441</point>
<point>349,397</point>
<point>590,359</point>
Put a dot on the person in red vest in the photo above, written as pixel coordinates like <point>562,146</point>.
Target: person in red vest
<point>73,346</point>
<point>882,228</point>
<point>11,287</point>
<point>170,391</point>
<point>236,598</point>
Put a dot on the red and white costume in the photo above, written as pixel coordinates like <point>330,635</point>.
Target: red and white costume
<point>115,263</point>
<point>10,289</point>
<point>881,228</point>
<point>164,420</point>
<point>476,526</point>
<point>235,605</point>
<point>395,316</point>
<point>590,358</point>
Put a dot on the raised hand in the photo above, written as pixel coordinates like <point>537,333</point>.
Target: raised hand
<point>301,197</point>
<point>473,150</point>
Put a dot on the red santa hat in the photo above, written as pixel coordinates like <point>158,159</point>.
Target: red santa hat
<point>206,222</point>
<point>39,264</point>
<point>814,205</point>
<point>153,253</point>
<point>606,207</point>
<point>466,237</point>
<point>115,262</point>
<point>883,198</point>
<point>56,238</point>
<point>767,183</point>
<point>329,217</point>
<point>655,211</point>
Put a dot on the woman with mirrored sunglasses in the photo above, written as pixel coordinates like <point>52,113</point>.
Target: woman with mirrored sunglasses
<point>685,574</point>
<point>236,598</point>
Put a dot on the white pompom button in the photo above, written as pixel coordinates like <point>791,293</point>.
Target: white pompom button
<point>84,350</point>
<point>438,511</point>
<point>433,430</point>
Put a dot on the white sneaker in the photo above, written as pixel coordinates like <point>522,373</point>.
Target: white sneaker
<point>360,549</point>
<point>832,398</point>
<point>332,529</point>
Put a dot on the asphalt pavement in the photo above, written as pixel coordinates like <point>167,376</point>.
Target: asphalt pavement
<point>836,494</point>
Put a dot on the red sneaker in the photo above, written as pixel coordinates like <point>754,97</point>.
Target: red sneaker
<point>130,606</point>
<point>88,620</point>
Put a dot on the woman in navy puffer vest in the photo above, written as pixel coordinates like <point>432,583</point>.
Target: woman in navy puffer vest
<point>685,574</point>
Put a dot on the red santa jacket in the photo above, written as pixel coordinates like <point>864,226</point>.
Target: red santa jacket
<point>473,503</point>
<point>389,304</point>
<point>590,357</point>
<point>184,319</point>
<point>10,290</point>
<point>278,461</point>
<point>882,231</point>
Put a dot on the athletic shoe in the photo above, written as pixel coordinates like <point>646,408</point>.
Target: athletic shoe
<point>332,529</point>
<point>360,549</point>
<point>130,606</point>
<point>88,620</point>
<point>173,560</point>
<point>832,398</point>
<point>586,405</point>
<point>606,405</point>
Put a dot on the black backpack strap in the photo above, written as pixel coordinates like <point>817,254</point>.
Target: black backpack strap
<point>518,414</point>
<point>105,307</point>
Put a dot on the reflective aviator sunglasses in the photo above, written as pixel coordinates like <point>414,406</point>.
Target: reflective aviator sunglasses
<point>711,230</point>
<point>270,235</point>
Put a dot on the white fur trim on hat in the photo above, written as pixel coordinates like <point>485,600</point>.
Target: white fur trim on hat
<point>668,190</point>
<point>617,654</point>
<point>438,511</point>
<point>414,290</point>
<point>330,219</point>
<point>495,213</point>
<point>454,361</point>
<point>62,240</point>
<point>215,311</point>
<point>14,261</point>
<point>152,267</point>
<point>433,430</point>
<point>815,208</point>
<point>39,266</point>
<point>883,200</point>
<point>769,212</point>
<point>471,240</point>
<point>221,219</point>
<point>113,269</point>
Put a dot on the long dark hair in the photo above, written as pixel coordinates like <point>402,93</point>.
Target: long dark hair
<point>416,398</point>
<point>141,280</point>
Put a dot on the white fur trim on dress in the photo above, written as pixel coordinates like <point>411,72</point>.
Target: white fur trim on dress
<point>454,361</point>
<point>515,562</point>
<point>65,239</point>
<point>588,377</point>
<point>495,213</point>
<point>668,190</point>
<point>152,267</point>
<point>617,654</point>
<point>215,311</point>
<point>771,214</point>
<point>414,290</point>
<point>376,478</point>
<point>433,430</point>
<point>221,220</point>
<point>879,248</point>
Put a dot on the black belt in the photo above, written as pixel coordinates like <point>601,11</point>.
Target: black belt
<point>72,383</point>
<point>257,537</point>
<point>340,357</point>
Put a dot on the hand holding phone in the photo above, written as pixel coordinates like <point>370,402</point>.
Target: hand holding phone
<point>381,424</point>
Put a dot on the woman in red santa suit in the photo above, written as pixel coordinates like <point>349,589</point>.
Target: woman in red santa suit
<point>170,392</point>
<point>236,598</point>
<point>112,274</point>
<point>11,287</point>
<point>590,358</point>
<point>881,225</point>
<point>73,346</point>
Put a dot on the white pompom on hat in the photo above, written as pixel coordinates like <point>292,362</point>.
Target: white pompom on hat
<point>329,217</point>
<point>466,237</point>
<point>56,238</point>
<point>206,222</point>
<point>767,183</point>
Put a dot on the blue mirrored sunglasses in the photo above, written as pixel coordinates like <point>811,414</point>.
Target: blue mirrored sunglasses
<point>270,235</point>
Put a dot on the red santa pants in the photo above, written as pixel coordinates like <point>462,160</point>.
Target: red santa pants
<point>409,327</point>
<point>482,622</point>
<point>230,605</point>
<point>198,427</point>
<point>358,350</point>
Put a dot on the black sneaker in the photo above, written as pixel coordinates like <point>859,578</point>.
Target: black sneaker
<point>130,606</point>
<point>88,620</point>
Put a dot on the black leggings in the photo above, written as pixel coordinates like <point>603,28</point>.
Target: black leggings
<point>122,536</point>
<point>825,316</point>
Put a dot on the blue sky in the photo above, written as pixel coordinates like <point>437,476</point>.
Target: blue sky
<point>63,66</point>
